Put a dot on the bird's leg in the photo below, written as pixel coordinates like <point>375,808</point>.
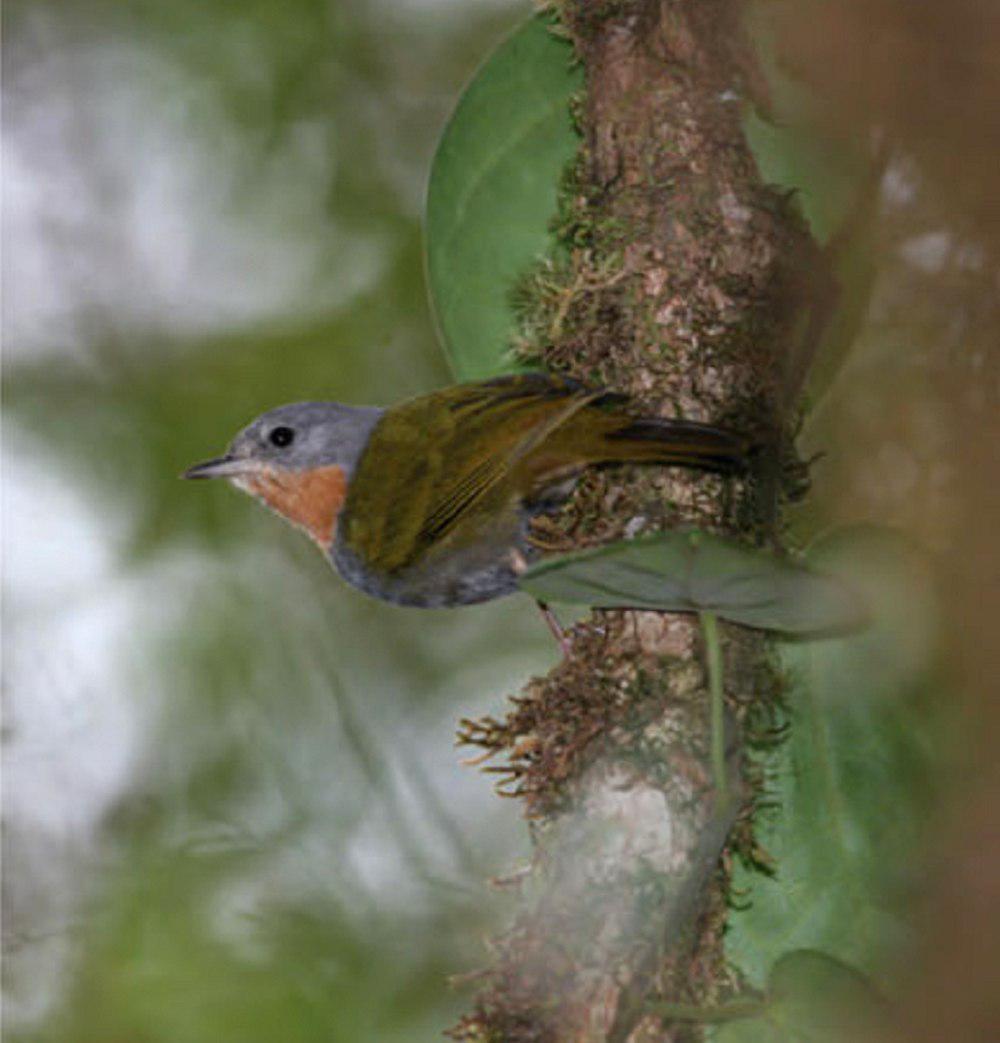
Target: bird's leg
<point>519,564</point>
<point>555,627</point>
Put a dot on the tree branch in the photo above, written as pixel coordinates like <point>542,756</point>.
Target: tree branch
<point>684,282</point>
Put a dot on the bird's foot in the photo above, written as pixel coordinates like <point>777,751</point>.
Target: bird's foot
<point>555,628</point>
<point>519,564</point>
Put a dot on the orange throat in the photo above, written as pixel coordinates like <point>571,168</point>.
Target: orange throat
<point>309,499</point>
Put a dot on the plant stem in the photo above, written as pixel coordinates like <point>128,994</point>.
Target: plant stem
<point>732,1011</point>
<point>713,651</point>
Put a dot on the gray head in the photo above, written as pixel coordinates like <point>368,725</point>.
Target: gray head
<point>298,437</point>
<point>298,460</point>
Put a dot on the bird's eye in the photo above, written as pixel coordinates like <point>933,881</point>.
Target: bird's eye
<point>281,436</point>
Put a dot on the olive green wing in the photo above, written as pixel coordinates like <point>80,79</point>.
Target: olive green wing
<point>431,461</point>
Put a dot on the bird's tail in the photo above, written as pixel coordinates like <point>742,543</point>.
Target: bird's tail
<point>682,442</point>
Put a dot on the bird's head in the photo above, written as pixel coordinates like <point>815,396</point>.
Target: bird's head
<point>298,460</point>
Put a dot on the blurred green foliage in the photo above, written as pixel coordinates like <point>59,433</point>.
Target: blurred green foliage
<point>291,850</point>
<point>849,792</point>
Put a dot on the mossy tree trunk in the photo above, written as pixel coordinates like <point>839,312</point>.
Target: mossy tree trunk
<point>683,283</point>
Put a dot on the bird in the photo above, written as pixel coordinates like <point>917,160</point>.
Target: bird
<point>429,503</point>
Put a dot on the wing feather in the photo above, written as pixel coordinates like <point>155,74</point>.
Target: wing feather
<point>430,461</point>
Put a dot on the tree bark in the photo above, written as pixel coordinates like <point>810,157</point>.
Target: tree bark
<point>682,284</point>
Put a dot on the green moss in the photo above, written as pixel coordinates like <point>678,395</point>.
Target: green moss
<point>585,21</point>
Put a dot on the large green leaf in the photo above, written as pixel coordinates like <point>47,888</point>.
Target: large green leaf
<point>492,193</point>
<point>811,998</point>
<point>699,572</point>
<point>847,790</point>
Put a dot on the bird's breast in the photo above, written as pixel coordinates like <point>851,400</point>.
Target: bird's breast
<point>312,500</point>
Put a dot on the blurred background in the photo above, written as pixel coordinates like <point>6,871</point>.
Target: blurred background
<point>232,805</point>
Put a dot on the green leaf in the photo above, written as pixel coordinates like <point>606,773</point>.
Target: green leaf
<point>812,998</point>
<point>847,792</point>
<point>696,572</point>
<point>492,193</point>
<point>827,179</point>
<point>792,150</point>
<point>836,182</point>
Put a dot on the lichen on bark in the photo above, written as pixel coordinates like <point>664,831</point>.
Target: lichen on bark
<point>681,280</point>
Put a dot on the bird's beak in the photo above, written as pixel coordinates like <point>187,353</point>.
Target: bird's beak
<point>220,467</point>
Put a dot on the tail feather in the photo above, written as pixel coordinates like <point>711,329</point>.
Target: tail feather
<point>679,442</point>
